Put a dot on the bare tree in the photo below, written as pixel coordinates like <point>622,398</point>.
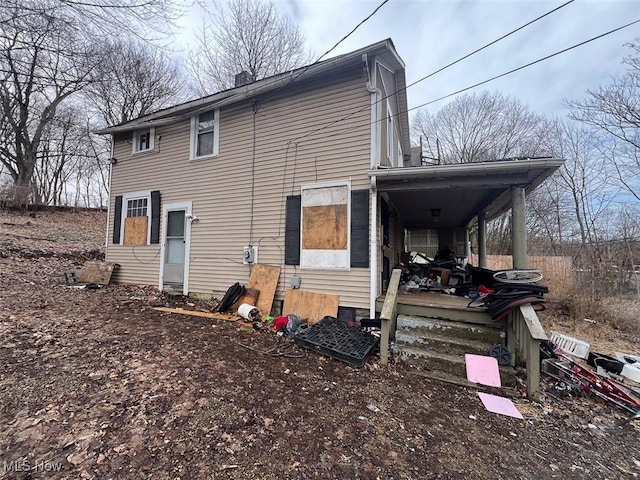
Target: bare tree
<point>479,126</point>
<point>614,110</point>
<point>42,64</point>
<point>133,79</point>
<point>247,35</point>
<point>147,19</point>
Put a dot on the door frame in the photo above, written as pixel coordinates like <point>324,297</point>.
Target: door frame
<point>187,207</point>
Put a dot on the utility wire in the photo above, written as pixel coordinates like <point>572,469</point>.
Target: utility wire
<point>304,70</point>
<point>482,82</point>
<point>352,31</point>
<point>442,68</point>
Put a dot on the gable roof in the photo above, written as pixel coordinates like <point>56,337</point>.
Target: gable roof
<point>274,83</point>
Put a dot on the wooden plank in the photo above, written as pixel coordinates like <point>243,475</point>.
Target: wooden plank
<point>135,230</point>
<point>196,313</point>
<point>96,271</point>
<point>533,323</point>
<point>324,227</point>
<point>264,278</point>
<point>311,306</point>
<point>388,314</point>
<point>250,296</point>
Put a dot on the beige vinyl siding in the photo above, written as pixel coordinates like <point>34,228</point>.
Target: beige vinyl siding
<point>220,188</point>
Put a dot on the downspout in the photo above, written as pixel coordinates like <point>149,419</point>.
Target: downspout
<point>374,153</point>
<point>106,235</point>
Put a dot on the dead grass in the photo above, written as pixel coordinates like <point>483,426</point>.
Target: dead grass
<point>609,324</point>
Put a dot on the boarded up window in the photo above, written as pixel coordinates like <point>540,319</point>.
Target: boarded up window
<point>135,230</point>
<point>325,226</point>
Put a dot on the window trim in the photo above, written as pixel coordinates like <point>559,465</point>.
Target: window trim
<point>193,148</point>
<point>125,207</point>
<point>329,184</point>
<point>136,139</point>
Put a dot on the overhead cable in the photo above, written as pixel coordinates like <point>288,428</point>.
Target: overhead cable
<point>444,68</point>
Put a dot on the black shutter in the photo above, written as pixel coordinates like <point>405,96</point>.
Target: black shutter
<point>155,216</point>
<point>360,228</point>
<point>292,230</point>
<point>117,219</point>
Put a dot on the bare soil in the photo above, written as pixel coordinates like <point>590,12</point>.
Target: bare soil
<point>97,384</point>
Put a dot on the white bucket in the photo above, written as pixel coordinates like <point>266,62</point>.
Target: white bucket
<point>248,311</point>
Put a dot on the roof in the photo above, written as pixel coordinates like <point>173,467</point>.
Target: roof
<point>237,94</point>
<point>460,191</point>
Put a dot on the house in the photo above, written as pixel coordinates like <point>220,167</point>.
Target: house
<point>312,171</point>
<point>279,165</point>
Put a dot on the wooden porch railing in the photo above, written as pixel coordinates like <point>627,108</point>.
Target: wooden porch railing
<point>388,315</point>
<point>524,334</point>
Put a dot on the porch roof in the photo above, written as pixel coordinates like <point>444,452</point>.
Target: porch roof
<point>459,191</point>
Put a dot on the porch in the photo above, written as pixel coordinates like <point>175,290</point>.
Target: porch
<point>452,200</point>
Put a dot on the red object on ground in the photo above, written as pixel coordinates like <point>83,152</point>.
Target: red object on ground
<point>280,323</point>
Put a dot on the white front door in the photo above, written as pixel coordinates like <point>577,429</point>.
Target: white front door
<point>174,252</point>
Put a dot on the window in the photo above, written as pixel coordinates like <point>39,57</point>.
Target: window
<point>325,231</point>
<point>136,218</point>
<point>315,233</point>
<point>137,207</point>
<point>143,140</point>
<point>204,134</point>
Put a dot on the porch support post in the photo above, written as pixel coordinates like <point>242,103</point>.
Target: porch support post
<point>467,244</point>
<point>518,228</point>
<point>482,239</point>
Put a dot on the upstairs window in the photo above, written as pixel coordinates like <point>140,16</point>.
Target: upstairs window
<point>204,134</point>
<point>143,140</point>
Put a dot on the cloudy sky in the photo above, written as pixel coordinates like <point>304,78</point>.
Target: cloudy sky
<point>429,34</point>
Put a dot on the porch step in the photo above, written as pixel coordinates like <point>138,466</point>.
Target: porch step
<point>439,346</point>
<point>173,293</point>
<point>448,365</point>
<point>448,328</point>
<point>425,339</point>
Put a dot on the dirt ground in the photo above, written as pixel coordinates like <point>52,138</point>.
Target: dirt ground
<point>97,384</point>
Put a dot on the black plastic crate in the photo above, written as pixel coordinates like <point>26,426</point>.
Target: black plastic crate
<point>336,339</point>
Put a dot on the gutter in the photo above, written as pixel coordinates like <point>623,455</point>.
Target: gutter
<point>485,168</point>
<point>373,196</point>
<point>106,235</point>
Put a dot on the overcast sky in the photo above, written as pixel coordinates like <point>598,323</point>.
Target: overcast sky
<point>429,34</point>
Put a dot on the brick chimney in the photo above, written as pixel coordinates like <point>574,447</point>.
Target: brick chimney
<point>243,78</point>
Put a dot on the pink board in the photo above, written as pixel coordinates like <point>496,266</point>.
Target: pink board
<point>500,405</point>
<point>482,369</point>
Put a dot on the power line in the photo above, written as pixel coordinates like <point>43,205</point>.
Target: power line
<point>443,68</point>
<point>525,66</point>
<point>482,82</point>
<point>304,70</point>
<point>352,31</point>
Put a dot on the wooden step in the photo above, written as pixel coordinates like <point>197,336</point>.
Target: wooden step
<point>448,328</point>
<point>436,342</point>
<point>451,366</point>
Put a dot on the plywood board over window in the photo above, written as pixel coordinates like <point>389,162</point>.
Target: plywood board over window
<point>325,232</point>
<point>135,230</point>
<point>325,227</point>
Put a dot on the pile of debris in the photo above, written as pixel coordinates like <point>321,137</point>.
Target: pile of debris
<point>572,370</point>
<point>309,320</point>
